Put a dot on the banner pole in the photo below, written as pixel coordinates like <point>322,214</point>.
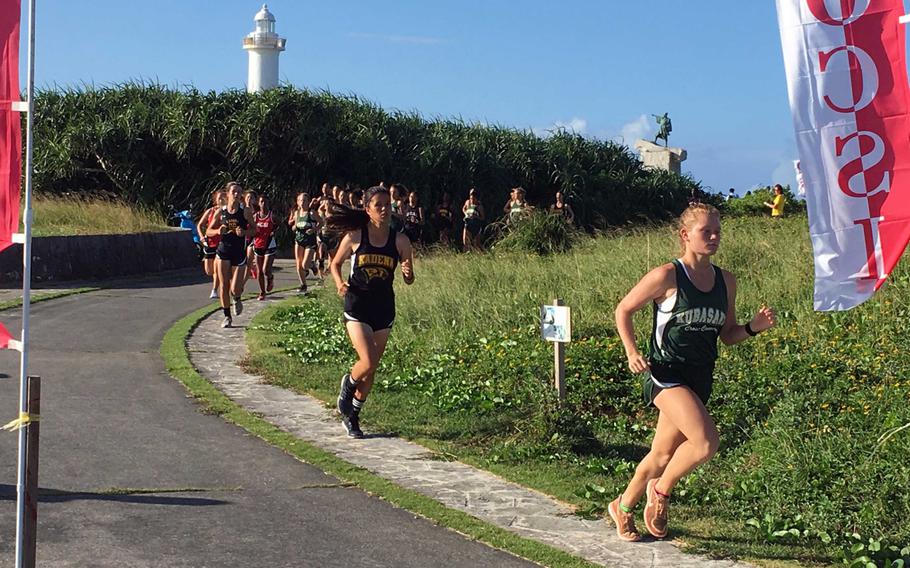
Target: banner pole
<point>26,290</point>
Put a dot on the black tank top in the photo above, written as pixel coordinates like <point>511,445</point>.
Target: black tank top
<point>231,221</point>
<point>373,268</point>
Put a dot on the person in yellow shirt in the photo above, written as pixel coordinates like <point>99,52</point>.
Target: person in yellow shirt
<point>777,204</point>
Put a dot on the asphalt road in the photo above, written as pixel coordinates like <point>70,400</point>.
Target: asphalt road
<point>205,493</point>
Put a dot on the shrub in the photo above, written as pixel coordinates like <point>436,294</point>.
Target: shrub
<point>539,232</point>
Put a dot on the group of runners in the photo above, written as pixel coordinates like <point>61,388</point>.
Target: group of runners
<point>694,305</point>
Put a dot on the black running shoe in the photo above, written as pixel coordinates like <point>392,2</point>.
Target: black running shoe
<point>352,425</point>
<point>346,396</point>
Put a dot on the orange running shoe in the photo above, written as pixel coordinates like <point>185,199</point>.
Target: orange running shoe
<point>625,522</point>
<point>656,511</point>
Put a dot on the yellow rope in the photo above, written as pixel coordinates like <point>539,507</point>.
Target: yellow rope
<point>24,420</point>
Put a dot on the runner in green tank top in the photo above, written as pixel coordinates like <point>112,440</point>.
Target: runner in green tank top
<point>694,306</point>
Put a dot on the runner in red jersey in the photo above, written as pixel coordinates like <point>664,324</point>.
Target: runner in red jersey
<point>264,245</point>
<point>211,243</point>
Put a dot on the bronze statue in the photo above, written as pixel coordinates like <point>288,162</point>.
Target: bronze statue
<point>664,128</point>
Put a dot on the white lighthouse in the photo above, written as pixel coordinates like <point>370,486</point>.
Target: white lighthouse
<point>263,45</point>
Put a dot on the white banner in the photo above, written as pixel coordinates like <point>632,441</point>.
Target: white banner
<point>847,80</point>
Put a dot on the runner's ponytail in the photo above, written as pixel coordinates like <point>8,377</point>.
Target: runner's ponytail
<point>343,219</point>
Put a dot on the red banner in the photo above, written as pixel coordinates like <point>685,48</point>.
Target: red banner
<point>847,77</point>
<point>10,121</point>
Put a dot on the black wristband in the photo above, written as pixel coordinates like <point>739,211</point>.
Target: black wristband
<point>749,330</point>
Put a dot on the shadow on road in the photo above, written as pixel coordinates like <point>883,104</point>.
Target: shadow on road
<point>46,495</point>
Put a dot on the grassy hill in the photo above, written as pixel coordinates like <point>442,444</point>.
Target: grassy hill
<point>806,469</point>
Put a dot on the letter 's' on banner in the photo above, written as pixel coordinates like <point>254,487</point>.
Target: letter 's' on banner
<point>10,125</point>
<point>847,79</point>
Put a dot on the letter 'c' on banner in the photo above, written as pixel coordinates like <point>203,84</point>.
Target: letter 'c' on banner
<point>847,80</point>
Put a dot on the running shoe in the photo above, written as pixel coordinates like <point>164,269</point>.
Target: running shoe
<point>254,272</point>
<point>260,297</point>
<point>352,425</point>
<point>270,282</point>
<point>346,396</point>
<point>656,511</point>
<point>238,306</point>
<point>214,294</point>
<point>625,522</point>
<point>226,322</point>
<point>302,289</point>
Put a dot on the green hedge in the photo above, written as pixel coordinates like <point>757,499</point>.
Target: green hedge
<point>164,147</point>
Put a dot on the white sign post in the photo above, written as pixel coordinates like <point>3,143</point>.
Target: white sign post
<point>556,326</point>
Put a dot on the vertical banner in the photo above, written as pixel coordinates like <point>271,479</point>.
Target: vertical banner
<point>847,79</point>
<point>10,121</point>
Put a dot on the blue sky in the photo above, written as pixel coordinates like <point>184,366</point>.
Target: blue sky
<point>601,67</point>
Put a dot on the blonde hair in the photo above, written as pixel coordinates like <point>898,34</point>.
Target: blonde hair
<point>688,216</point>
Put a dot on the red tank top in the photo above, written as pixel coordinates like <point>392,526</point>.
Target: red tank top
<point>265,226</point>
<point>212,242</point>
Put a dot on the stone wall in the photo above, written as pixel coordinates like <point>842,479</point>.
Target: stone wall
<point>100,256</point>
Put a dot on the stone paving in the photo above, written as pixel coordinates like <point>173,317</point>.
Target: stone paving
<point>456,485</point>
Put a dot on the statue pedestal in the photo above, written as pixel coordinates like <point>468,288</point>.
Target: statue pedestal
<point>658,157</point>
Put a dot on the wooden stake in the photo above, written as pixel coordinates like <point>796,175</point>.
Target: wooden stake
<point>30,528</point>
<point>559,359</point>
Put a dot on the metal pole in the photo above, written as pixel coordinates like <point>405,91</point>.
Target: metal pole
<point>33,431</point>
<point>26,288</point>
<point>559,363</point>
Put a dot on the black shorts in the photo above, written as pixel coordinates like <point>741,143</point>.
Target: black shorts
<point>699,379</point>
<point>208,252</point>
<point>473,226</point>
<point>378,315</point>
<point>329,241</point>
<point>237,257</point>
<point>306,241</point>
<point>265,251</point>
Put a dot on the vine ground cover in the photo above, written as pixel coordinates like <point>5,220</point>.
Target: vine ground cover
<point>807,471</point>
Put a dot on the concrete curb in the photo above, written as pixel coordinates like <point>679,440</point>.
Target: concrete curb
<point>476,492</point>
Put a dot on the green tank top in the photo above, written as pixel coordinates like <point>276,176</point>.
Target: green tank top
<point>515,210</point>
<point>687,324</point>
<point>470,212</point>
<point>304,224</point>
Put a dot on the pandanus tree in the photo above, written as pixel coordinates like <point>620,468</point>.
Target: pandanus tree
<point>159,146</point>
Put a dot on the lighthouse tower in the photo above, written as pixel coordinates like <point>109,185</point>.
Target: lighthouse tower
<point>263,46</point>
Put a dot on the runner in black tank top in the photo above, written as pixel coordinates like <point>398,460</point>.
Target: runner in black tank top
<point>369,298</point>
<point>695,305</point>
<point>235,225</point>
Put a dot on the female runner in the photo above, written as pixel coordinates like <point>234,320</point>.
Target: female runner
<point>251,202</point>
<point>235,225</point>
<point>304,221</point>
<point>445,219</point>
<point>327,241</point>
<point>369,298</point>
<point>413,218</point>
<point>210,244</point>
<point>473,221</point>
<point>264,245</point>
<point>563,208</point>
<point>694,304</point>
<point>398,195</point>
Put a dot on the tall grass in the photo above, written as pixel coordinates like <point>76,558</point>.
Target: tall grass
<point>63,216</point>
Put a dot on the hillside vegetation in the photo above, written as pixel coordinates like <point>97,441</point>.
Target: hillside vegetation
<point>164,147</point>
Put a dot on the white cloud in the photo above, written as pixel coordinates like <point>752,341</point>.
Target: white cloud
<point>419,40</point>
<point>641,127</point>
<point>785,174</point>
<point>574,125</point>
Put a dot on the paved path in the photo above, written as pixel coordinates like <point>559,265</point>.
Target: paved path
<point>479,493</point>
<point>196,491</point>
